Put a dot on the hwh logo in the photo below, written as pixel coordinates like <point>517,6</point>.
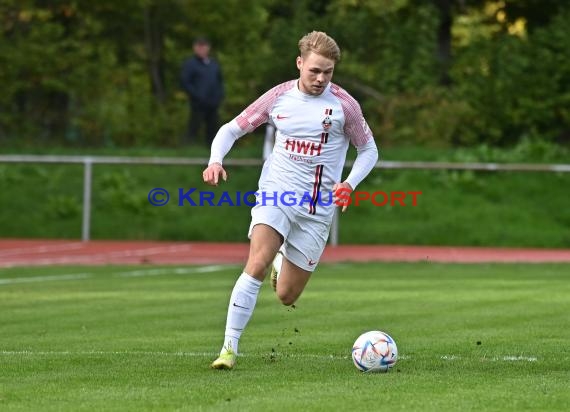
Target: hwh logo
<point>303,146</point>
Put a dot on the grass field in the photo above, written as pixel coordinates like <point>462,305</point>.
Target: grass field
<point>471,337</point>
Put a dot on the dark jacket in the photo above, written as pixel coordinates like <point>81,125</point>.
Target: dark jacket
<point>203,81</point>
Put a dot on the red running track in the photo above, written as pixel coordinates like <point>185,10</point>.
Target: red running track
<point>27,252</point>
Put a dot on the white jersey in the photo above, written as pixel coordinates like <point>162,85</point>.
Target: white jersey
<point>311,142</point>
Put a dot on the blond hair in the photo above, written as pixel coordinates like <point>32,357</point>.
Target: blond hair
<point>320,43</point>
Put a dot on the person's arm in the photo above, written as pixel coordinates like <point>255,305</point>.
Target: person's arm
<point>221,83</point>
<point>252,117</point>
<point>186,77</point>
<point>366,158</point>
<point>224,140</point>
<point>360,135</point>
<point>221,146</point>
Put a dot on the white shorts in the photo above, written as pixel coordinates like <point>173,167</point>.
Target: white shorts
<point>304,238</point>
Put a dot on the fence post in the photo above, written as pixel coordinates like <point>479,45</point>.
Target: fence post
<point>87,175</point>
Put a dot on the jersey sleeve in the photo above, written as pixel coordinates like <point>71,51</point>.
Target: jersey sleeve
<point>251,118</point>
<point>355,126</point>
<point>257,113</point>
<point>223,141</point>
<point>366,158</point>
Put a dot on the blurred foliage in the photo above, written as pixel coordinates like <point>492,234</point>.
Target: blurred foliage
<point>114,192</point>
<point>62,207</point>
<point>439,72</point>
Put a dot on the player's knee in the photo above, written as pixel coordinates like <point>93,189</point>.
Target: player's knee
<point>286,297</point>
<point>256,267</point>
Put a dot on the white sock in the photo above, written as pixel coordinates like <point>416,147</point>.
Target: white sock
<point>240,309</point>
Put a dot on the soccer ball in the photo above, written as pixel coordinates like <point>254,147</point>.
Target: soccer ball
<point>374,351</point>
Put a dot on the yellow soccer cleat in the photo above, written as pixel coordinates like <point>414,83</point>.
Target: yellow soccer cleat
<point>226,360</point>
<point>275,269</point>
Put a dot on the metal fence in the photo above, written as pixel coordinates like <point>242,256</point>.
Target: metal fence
<point>89,161</point>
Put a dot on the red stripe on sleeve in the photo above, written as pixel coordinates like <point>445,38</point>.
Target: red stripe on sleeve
<point>355,126</point>
<point>257,113</point>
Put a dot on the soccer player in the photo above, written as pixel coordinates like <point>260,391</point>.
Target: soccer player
<point>315,120</point>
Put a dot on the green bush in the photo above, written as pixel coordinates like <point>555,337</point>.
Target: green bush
<point>518,87</point>
<point>432,117</point>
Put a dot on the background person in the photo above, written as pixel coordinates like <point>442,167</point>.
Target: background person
<point>202,81</point>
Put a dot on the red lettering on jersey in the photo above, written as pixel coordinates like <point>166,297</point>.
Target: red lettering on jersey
<point>317,148</point>
<point>303,147</point>
<point>290,145</point>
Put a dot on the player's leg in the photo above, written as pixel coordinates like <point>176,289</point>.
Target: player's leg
<point>301,252</point>
<point>291,282</point>
<point>276,268</point>
<point>265,242</point>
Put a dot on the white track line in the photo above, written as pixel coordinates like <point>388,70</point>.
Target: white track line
<point>41,249</point>
<point>74,276</point>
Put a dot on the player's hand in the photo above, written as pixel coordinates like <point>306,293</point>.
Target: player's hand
<point>212,174</point>
<point>341,192</point>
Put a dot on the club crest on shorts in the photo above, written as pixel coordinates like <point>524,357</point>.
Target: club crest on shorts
<point>327,122</point>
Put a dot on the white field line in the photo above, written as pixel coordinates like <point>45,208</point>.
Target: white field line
<point>105,353</point>
<point>506,358</point>
<point>175,354</point>
<point>101,257</point>
<point>510,358</point>
<point>134,273</point>
<point>41,249</point>
<point>450,357</point>
<point>173,271</point>
<point>74,276</point>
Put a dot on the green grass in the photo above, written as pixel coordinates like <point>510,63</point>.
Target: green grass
<point>111,340</point>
